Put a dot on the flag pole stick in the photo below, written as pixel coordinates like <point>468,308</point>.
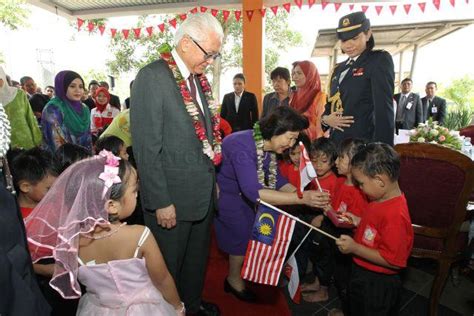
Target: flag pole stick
<point>297,219</point>
<point>301,243</point>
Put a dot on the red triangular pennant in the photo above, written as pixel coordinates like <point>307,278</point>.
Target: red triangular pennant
<point>378,9</point>
<point>149,30</point>
<point>125,33</point>
<point>113,32</point>
<point>453,2</point>
<point>299,3</point>
<point>172,22</point>
<point>422,6</point>
<point>225,14</point>
<point>436,3</point>
<point>393,8</point>
<point>274,9</point>
<point>203,9</point>
<point>249,14</point>
<point>310,3</point>
<point>263,11</point>
<point>237,14</point>
<point>324,4</point>
<point>79,23</point>
<point>101,29</point>
<point>214,12</point>
<point>194,10</point>
<point>90,26</point>
<point>137,32</point>
<point>287,7</point>
<point>337,5</point>
<point>351,7</point>
<point>364,8</point>
<point>183,16</point>
<point>161,27</point>
<point>407,7</point>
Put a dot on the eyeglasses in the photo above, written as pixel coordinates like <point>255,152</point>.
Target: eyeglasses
<point>207,56</point>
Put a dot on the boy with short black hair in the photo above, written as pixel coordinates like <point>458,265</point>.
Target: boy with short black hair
<point>384,236</point>
<point>34,172</point>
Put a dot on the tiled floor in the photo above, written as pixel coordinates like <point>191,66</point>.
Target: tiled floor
<point>457,297</point>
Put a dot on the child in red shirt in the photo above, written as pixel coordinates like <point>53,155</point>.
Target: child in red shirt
<point>384,235</point>
<point>329,262</point>
<point>323,157</point>
<point>289,165</point>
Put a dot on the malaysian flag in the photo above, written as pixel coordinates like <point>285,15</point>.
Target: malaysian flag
<point>268,246</point>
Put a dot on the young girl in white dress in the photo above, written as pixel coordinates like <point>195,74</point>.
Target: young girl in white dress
<point>78,224</point>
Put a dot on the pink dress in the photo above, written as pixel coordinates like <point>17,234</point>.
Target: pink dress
<point>121,287</point>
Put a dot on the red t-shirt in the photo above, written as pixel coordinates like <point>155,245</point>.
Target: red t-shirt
<point>355,200</point>
<point>327,183</point>
<point>287,170</point>
<point>25,211</point>
<point>386,226</point>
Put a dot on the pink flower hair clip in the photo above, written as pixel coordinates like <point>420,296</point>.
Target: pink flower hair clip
<point>111,170</point>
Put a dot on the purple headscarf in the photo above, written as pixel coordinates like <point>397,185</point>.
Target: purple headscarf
<point>61,83</point>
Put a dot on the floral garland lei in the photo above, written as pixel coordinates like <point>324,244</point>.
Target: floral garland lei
<point>214,152</point>
<point>272,177</point>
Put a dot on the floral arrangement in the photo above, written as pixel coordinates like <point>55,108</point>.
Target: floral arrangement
<point>214,151</point>
<point>272,177</point>
<point>431,132</point>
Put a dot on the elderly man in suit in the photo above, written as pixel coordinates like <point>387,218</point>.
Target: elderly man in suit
<point>433,106</point>
<point>409,112</point>
<point>240,108</point>
<point>176,143</point>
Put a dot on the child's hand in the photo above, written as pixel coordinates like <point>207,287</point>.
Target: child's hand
<point>346,244</point>
<point>355,219</point>
<point>327,209</point>
<point>316,222</point>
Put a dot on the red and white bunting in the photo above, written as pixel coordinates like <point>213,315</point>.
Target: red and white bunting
<point>310,3</point>
<point>214,12</point>
<point>436,3</point>
<point>249,14</point>
<point>287,7</point>
<point>113,32</point>
<point>149,30</point>
<point>351,7</point>
<point>225,14</point>
<point>324,4</point>
<point>422,6</point>
<point>183,16</point>
<point>203,9</point>
<point>378,9</point>
<point>453,2</point>
<point>299,3</point>
<point>161,27</point>
<point>194,10</point>
<point>407,7</point>
<point>364,8</point>
<point>393,8</point>
<point>263,11</point>
<point>274,9</point>
<point>90,26</point>
<point>237,15</point>
<point>173,22</point>
<point>79,23</point>
<point>137,31</point>
<point>125,33</point>
<point>101,29</point>
<point>337,6</point>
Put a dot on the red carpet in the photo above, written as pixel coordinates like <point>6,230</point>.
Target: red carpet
<point>271,300</point>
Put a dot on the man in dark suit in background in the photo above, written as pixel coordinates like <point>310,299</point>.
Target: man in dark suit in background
<point>240,108</point>
<point>177,179</point>
<point>409,112</point>
<point>433,106</point>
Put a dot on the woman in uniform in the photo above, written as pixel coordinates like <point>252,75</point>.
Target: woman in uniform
<point>360,91</point>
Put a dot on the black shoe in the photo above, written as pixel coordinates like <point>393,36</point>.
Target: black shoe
<point>244,295</point>
<point>208,309</point>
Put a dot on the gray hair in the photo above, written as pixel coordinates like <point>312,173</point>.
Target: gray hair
<point>198,26</point>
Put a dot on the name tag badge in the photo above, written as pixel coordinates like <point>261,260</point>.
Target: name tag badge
<point>434,109</point>
<point>409,105</point>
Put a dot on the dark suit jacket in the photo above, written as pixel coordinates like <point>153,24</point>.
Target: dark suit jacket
<point>172,167</point>
<point>248,111</point>
<point>366,93</point>
<point>20,294</point>
<point>115,101</point>
<point>437,109</point>
<point>412,114</point>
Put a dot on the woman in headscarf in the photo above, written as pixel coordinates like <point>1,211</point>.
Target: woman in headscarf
<point>103,113</point>
<point>65,119</point>
<point>308,99</point>
<point>25,132</point>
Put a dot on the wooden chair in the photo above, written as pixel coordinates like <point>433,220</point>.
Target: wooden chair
<point>468,131</point>
<point>437,182</point>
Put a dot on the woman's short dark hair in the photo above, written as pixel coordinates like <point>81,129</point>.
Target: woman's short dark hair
<point>240,76</point>
<point>281,72</point>
<point>280,120</point>
<point>325,146</point>
<point>377,158</point>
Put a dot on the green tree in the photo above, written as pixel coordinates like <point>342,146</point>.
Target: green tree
<point>461,92</point>
<point>13,13</point>
<point>132,54</point>
<point>93,74</point>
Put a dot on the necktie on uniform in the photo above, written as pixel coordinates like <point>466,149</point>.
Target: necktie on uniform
<point>347,67</point>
